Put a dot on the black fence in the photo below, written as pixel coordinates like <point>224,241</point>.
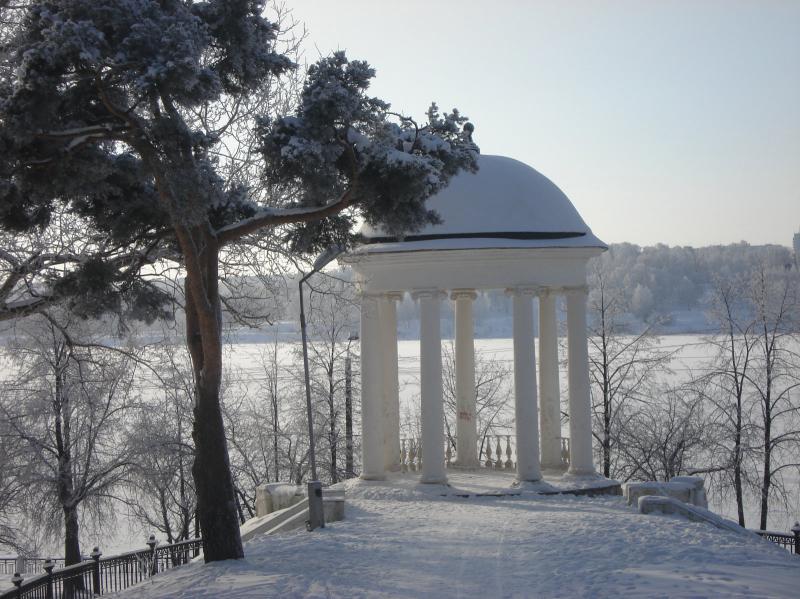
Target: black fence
<point>788,540</point>
<point>99,575</point>
<point>29,565</point>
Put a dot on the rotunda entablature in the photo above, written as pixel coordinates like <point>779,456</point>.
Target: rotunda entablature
<point>505,226</point>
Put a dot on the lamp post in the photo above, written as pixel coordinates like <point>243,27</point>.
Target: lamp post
<point>316,515</point>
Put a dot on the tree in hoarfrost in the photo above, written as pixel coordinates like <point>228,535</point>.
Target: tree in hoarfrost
<point>118,113</point>
<point>332,320</point>
<point>63,409</point>
<point>622,366</point>
<point>160,491</point>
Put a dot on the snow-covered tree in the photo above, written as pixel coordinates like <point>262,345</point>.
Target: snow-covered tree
<point>775,298</point>
<point>622,366</point>
<point>12,489</point>
<point>161,494</point>
<point>117,112</point>
<point>664,437</point>
<point>493,380</point>
<point>64,410</point>
<point>333,318</point>
<point>642,301</point>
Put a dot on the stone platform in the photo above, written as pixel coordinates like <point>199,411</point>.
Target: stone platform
<point>497,483</point>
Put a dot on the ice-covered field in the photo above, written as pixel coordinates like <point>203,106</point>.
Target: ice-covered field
<point>404,540</point>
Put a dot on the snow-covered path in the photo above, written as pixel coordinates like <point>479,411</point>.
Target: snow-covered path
<point>401,541</point>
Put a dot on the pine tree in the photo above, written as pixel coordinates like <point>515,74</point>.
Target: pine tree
<point>113,114</point>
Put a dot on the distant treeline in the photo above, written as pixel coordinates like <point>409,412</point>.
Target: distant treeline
<point>663,283</point>
<point>663,279</point>
<point>659,283</point>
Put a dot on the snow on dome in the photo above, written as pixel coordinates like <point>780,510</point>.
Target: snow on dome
<point>505,204</point>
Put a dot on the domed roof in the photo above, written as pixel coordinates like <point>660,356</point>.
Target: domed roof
<point>506,204</point>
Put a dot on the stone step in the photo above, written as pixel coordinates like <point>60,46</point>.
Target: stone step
<point>294,516</point>
<point>273,522</point>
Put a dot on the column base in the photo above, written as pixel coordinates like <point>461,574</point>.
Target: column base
<point>464,465</point>
<point>528,480</point>
<point>373,477</point>
<point>433,481</point>
<point>582,473</point>
<point>554,469</point>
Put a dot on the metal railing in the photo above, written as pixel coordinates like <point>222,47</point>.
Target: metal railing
<point>788,540</point>
<point>99,575</point>
<point>25,565</point>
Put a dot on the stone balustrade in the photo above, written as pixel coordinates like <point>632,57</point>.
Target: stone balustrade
<point>495,452</point>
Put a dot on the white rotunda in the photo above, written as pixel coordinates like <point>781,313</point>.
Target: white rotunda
<point>509,227</point>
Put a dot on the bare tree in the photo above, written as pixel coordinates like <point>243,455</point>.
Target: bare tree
<point>160,488</point>
<point>249,432</point>
<point>492,393</point>
<point>663,437</point>
<point>332,320</point>
<point>271,365</point>
<point>775,378</point>
<point>622,365</point>
<point>724,385</point>
<point>11,491</point>
<point>66,406</point>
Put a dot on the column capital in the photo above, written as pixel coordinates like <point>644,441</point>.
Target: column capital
<point>427,294</point>
<point>549,291</point>
<point>369,295</point>
<point>523,290</point>
<point>576,290</point>
<point>457,294</point>
<point>393,296</point>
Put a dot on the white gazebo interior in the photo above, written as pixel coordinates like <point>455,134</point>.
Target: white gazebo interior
<point>508,227</point>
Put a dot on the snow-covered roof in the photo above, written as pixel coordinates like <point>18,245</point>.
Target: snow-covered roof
<point>506,204</point>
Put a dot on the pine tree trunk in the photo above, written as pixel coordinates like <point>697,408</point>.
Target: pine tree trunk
<point>216,501</point>
<point>216,504</point>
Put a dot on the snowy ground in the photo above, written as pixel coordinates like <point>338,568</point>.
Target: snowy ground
<point>402,539</point>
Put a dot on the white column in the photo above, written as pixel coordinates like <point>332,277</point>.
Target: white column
<point>525,396</point>
<point>580,408</point>
<point>391,389</point>
<point>372,463</point>
<point>466,427</point>
<point>430,367</point>
<point>549,392</point>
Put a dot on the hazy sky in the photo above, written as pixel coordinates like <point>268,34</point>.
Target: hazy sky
<point>663,121</point>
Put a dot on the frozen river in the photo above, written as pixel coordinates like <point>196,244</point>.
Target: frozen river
<point>246,363</point>
<point>692,353</point>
